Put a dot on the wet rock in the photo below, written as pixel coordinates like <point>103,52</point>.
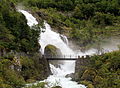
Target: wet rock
<point>57,87</point>
<point>89,75</point>
<point>70,75</point>
<point>87,83</point>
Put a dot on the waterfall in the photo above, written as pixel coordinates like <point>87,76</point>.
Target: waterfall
<point>31,21</point>
<point>50,37</point>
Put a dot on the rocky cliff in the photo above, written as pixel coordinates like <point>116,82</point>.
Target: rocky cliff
<point>19,68</point>
<point>81,65</point>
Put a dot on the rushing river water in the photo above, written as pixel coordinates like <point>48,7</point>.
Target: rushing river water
<point>49,37</point>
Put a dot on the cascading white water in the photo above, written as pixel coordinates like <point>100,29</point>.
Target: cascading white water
<point>31,21</point>
<point>64,38</point>
<point>49,37</point>
<point>53,38</point>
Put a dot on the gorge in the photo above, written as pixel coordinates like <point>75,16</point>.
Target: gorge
<point>59,44</point>
<point>49,37</point>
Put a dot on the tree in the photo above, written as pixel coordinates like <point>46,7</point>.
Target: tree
<point>84,11</point>
<point>103,19</point>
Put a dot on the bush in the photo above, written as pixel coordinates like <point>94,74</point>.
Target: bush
<point>106,70</point>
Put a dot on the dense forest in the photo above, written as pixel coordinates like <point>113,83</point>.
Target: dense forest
<point>15,33</point>
<point>102,72</point>
<point>20,61</point>
<point>82,21</point>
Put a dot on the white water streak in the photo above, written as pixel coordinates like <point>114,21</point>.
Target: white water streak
<point>49,37</point>
<point>31,21</point>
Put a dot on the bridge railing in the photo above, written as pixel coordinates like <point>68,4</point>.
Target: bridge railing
<point>61,56</point>
<point>66,56</point>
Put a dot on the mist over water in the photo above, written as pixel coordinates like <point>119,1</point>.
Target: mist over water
<point>111,43</point>
<point>49,37</point>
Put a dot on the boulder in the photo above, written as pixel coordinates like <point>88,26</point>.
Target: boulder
<point>52,51</point>
<point>89,75</point>
<point>70,75</point>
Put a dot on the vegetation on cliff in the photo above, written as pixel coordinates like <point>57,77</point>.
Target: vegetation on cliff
<point>83,21</point>
<point>20,61</point>
<point>18,69</point>
<point>102,72</point>
<point>15,34</point>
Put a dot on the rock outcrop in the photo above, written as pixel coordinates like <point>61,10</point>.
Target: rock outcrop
<point>81,65</point>
<point>52,51</point>
<point>22,62</point>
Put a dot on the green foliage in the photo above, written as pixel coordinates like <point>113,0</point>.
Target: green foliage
<point>31,69</point>
<point>84,11</point>
<point>13,78</point>
<point>106,71</point>
<point>28,70</point>
<point>103,19</point>
<point>84,21</point>
<point>15,33</point>
<point>84,24</point>
<point>8,77</point>
<point>60,5</point>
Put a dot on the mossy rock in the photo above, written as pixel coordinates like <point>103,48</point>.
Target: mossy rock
<point>87,83</point>
<point>82,70</point>
<point>98,79</point>
<point>30,81</point>
<point>52,51</point>
<point>89,75</point>
<point>90,86</point>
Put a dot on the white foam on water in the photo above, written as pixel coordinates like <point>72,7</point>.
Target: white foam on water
<point>31,21</point>
<point>50,37</point>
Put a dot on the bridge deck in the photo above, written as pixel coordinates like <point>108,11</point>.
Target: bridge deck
<point>61,58</point>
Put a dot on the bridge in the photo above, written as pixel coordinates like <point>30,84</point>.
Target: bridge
<point>61,59</point>
<point>65,57</point>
